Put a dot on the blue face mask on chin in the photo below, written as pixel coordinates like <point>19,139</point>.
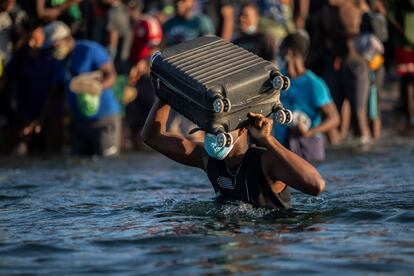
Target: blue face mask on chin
<point>214,150</point>
<point>251,30</point>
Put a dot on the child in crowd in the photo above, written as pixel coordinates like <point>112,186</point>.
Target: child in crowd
<point>309,99</point>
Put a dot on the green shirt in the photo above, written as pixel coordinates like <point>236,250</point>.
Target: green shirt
<point>74,11</point>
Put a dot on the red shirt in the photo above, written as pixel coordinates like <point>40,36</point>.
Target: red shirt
<point>147,34</point>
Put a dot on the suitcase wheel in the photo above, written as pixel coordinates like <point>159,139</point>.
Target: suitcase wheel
<point>284,116</point>
<point>224,139</point>
<point>286,83</point>
<point>221,105</point>
<point>280,116</point>
<point>276,108</point>
<point>289,116</point>
<point>281,83</point>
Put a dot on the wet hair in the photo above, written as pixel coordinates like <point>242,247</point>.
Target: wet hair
<point>297,42</point>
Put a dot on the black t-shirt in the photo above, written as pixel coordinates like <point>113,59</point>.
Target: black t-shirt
<point>259,43</point>
<point>247,184</point>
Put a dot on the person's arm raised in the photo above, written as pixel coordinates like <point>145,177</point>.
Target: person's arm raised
<point>280,165</point>
<point>174,146</point>
<point>227,12</point>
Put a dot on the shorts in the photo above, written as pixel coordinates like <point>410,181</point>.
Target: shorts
<point>100,137</point>
<point>310,149</point>
<point>353,84</point>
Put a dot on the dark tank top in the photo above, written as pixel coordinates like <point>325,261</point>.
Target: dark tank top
<point>247,183</point>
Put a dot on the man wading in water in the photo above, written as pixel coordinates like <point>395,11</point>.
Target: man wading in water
<point>259,176</point>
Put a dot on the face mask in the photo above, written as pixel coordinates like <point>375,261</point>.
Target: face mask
<point>251,30</point>
<point>61,52</point>
<point>214,150</point>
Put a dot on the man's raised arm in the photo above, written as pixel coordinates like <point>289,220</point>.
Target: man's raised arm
<point>280,165</point>
<point>174,146</point>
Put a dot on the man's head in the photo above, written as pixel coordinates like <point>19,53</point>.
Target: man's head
<point>59,36</point>
<point>249,18</point>
<point>184,8</point>
<point>34,31</point>
<point>135,8</point>
<point>293,51</point>
<point>36,38</point>
<point>295,44</point>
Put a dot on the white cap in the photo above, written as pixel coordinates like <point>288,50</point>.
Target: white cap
<point>55,31</point>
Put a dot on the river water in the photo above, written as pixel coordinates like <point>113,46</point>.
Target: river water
<point>142,214</point>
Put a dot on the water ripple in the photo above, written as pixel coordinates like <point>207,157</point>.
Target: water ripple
<point>143,214</point>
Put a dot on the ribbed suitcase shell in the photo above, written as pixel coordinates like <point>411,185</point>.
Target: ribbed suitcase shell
<point>191,75</point>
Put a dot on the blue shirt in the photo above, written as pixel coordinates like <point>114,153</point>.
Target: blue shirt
<point>307,93</point>
<point>87,56</point>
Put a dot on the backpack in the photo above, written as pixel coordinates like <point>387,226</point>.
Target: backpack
<point>376,24</point>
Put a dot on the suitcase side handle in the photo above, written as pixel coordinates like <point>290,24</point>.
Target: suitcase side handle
<point>154,57</point>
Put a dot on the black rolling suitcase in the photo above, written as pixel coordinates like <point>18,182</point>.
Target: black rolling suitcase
<point>215,84</point>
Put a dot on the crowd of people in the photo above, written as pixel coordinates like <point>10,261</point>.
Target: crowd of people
<point>76,72</point>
